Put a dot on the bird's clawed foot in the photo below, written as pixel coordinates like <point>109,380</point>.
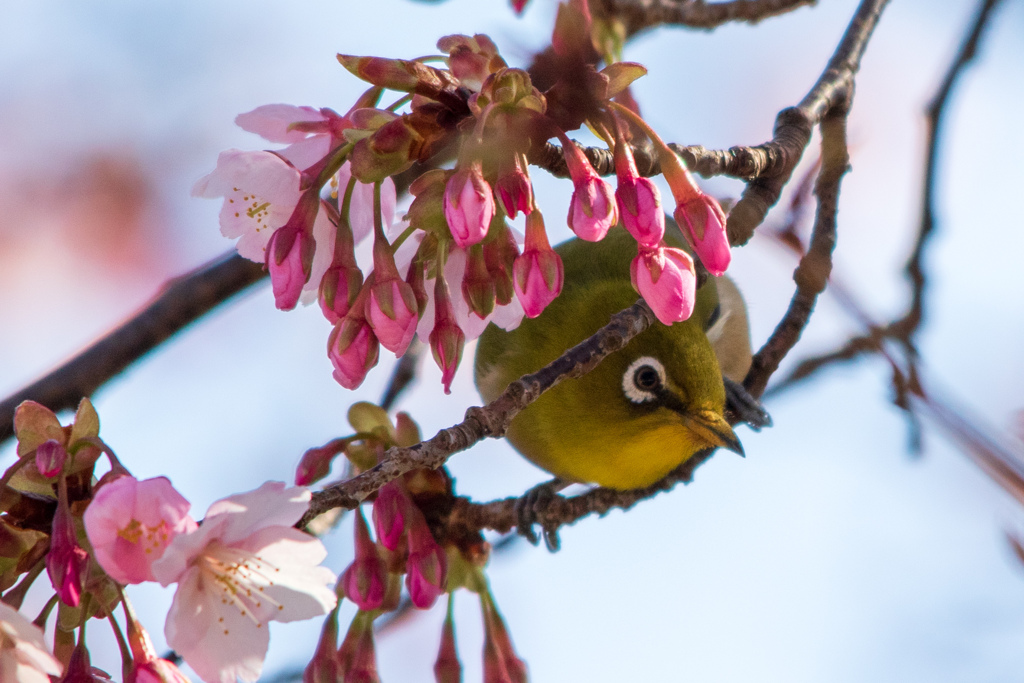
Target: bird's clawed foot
<point>532,502</point>
<point>744,407</point>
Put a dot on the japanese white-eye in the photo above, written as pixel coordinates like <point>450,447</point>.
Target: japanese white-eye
<point>646,408</point>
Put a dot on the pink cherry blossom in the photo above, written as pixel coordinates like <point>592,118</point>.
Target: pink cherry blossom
<point>468,205</point>
<point>24,657</point>
<point>353,350</point>
<point>130,523</point>
<point>364,580</point>
<point>260,191</point>
<point>703,223</point>
<point>506,316</point>
<point>666,280</point>
<point>245,566</point>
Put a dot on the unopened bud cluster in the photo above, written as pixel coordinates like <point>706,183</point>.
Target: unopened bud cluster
<point>453,264</point>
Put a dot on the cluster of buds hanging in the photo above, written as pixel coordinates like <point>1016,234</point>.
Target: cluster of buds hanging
<point>408,546</point>
<point>453,263</point>
<point>244,566</point>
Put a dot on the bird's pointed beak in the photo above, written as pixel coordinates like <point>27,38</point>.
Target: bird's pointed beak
<point>713,428</point>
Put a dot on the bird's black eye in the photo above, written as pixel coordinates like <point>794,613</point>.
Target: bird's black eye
<point>643,379</point>
<point>715,315</point>
<point>646,378</point>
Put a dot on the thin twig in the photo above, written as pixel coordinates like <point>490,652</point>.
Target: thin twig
<point>183,300</point>
<point>794,125</point>
<point>491,420</point>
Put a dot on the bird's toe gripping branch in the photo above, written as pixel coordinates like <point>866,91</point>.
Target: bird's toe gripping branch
<point>740,406</point>
<point>527,507</point>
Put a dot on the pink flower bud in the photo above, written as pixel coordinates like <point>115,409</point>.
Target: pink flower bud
<point>130,523</point>
<point>389,511</point>
<point>468,205</point>
<point>538,270</point>
<point>289,260</point>
<point>364,580</point>
<point>353,350</point>
<point>323,667</point>
<point>427,566</point>
<point>446,339</point>
<point>448,668</point>
<point>501,664</point>
<point>316,462</point>
<point>67,561</point>
<point>338,289</point>
<point>515,192</point>
<point>593,210</point>
<point>477,284</point>
<point>703,223</point>
<point>357,657</point>
<point>666,280</point>
<point>392,312</point>
<point>80,668</point>
<point>146,666</point>
<point>639,200</point>
<point>50,457</point>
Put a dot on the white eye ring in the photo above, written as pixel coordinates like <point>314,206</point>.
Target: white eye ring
<point>629,386</point>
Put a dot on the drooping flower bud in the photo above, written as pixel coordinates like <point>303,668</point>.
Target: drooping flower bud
<point>447,338</point>
<point>427,566</point>
<point>357,657</point>
<point>468,205</point>
<point>389,512</point>
<point>593,210</point>
<point>448,668</point>
<point>289,260</point>
<point>538,270</point>
<point>501,663</point>
<point>80,668</point>
<point>315,463</point>
<point>703,223</point>
<point>353,349</point>
<point>323,667</point>
<point>66,562</point>
<point>146,667</point>
<point>477,284</point>
<point>514,189</point>
<point>665,278</point>
<point>639,200</point>
<point>391,309</point>
<point>364,580</point>
<point>500,254</point>
<point>50,457</point>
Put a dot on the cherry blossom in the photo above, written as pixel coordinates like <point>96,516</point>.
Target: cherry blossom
<point>130,523</point>
<point>24,656</point>
<point>245,566</point>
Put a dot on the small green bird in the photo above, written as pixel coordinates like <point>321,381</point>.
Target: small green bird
<point>645,409</point>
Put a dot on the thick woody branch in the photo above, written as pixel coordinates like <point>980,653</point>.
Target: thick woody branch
<point>491,420</point>
<point>811,276</point>
<point>182,301</point>
<point>638,15</point>
<point>745,163</point>
<point>794,125</point>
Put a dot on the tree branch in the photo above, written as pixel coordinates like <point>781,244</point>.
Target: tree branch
<point>639,15</point>
<point>491,420</point>
<point>794,125</point>
<point>182,301</point>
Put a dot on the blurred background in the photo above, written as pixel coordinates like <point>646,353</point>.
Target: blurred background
<point>829,553</point>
